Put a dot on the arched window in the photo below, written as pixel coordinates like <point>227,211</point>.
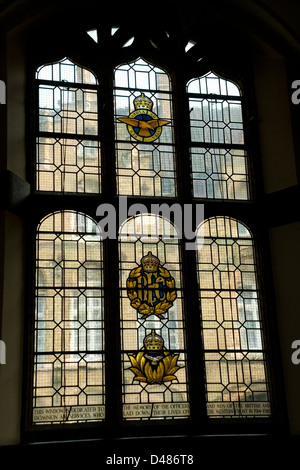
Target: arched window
<point>230,298</point>
<point>133,326</point>
<point>145,152</point>
<point>68,147</point>
<point>69,363</point>
<point>152,320</point>
<point>218,154</point>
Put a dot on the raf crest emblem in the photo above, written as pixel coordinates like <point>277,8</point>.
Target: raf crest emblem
<point>142,123</point>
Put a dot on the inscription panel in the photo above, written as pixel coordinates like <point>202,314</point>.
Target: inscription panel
<point>237,409</point>
<point>68,414</point>
<point>156,410</point>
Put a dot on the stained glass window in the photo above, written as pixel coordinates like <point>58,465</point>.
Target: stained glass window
<point>68,148</point>
<point>183,328</point>
<point>144,131</point>
<point>235,360</point>
<point>218,154</point>
<point>152,321</point>
<point>68,384</point>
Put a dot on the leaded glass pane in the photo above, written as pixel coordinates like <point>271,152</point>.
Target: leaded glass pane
<point>235,360</point>
<point>220,173</point>
<point>65,70</point>
<point>212,84</point>
<point>216,121</point>
<point>69,337</point>
<point>144,131</point>
<point>67,144</point>
<point>68,165</point>
<point>152,322</point>
<point>218,155</point>
<point>68,110</point>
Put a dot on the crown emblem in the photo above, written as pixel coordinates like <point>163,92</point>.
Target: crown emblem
<point>143,102</point>
<point>150,263</point>
<point>153,342</point>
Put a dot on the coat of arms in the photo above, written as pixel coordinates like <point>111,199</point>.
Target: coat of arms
<point>151,288</point>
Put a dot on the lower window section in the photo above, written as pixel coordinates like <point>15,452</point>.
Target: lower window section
<point>154,363</point>
<point>69,372</point>
<point>68,388</point>
<point>69,360</point>
<point>234,353</point>
<point>236,385</point>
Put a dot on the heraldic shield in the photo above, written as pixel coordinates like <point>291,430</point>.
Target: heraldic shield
<point>151,288</point>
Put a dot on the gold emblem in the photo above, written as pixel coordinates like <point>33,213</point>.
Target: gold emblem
<point>154,364</point>
<point>142,123</point>
<point>151,288</point>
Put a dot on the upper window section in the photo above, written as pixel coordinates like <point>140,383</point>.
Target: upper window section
<point>218,154</point>
<point>63,105</point>
<point>144,130</point>
<point>66,70</point>
<point>68,149</point>
<point>216,117</point>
